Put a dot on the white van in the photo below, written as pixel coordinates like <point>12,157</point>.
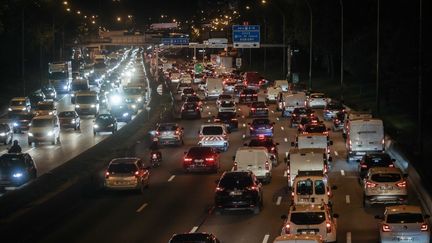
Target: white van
<point>214,87</point>
<point>255,159</point>
<point>214,135</point>
<point>313,140</point>
<point>299,238</point>
<point>282,84</point>
<point>311,159</point>
<point>87,103</point>
<point>354,115</point>
<point>289,101</point>
<point>311,187</point>
<point>364,135</point>
<point>272,94</point>
<point>44,129</point>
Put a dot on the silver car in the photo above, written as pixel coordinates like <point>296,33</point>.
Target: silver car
<point>385,185</point>
<point>126,174</point>
<point>169,133</point>
<point>404,223</point>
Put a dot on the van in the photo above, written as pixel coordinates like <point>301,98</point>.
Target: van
<point>79,84</point>
<point>353,115</point>
<point>313,140</point>
<point>214,88</point>
<point>46,108</point>
<point>299,238</point>
<point>44,129</point>
<point>282,84</point>
<point>310,159</point>
<point>87,103</point>
<point>255,159</point>
<point>311,187</point>
<point>364,135</point>
<point>290,100</point>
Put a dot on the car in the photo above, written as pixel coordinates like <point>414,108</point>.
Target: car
<point>20,121</point>
<point>238,88</point>
<point>46,108</point>
<point>196,99</point>
<point>70,119</point>
<point>16,169</point>
<point>331,109</point>
<point>224,98</point>
<point>258,109</point>
<point>190,110</point>
<point>19,104</point>
<point>44,129</point>
<point>229,84</point>
<point>267,143</point>
<point>6,134</point>
<point>181,87</point>
<point>300,112</point>
<point>228,118</point>
<point>187,92</point>
<point>87,103</point>
<point>316,100</point>
<point>105,123</point>
<point>169,133</point>
<point>238,190</point>
<point>201,159</point>
<point>311,187</point>
<point>214,135</point>
<point>338,121</point>
<point>384,185</point>
<point>261,127</point>
<point>36,97</point>
<point>314,127</point>
<point>194,237</point>
<point>248,95</point>
<point>404,223</point>
<point>127,173</point>
<point>315,219</point>
<point>49,92</point>
<point>227,106</point>
<point>370,160</point>
<point>121,112</point>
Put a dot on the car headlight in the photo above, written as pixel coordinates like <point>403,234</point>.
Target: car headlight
<point>95,126</point>
<point>134,107</point>
<point>93,106</point>
<point>77,106</point>
<point>50,113</point>
<point>110,125</point>
<point>2,134</point>
<point>125,114</point>
<point>65,87</point>
<point>17,175</point>
<point>24,109</point>
<point>73,121</point>
<point>72,95</point>
<point>30,134</point>
<point>52,94</point>
<point>50,133</point>
<point>139,99</point>
<point>9,109</point>
<point>15,124</point>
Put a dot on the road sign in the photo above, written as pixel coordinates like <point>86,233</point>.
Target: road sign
<point>198,68</point>
<point>246,36</point>
<point>238,62</point>
<point>175,41</point>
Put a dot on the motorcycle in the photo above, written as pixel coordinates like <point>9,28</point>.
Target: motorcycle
<point>155,158</point>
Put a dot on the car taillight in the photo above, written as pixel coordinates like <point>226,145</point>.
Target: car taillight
<point>157,133</point>
<point>217,120</point>
<point>363,165</point>
<point>210,159</point>
<point>251,128</point>
<point>424,227</point>
<point>242,95</point>
<point>401,184</point>
<point>370,184</point>
<point>177,132</point>
<point>261,136</point>
<point>219,189</point>
<point>233,119</point>
<point>287,228</point>
<point>253,188</point>
<point>107,174</point>
<point>136,173</point>
<point>197,108</point>
<point>328,227</point>
<point>385,228</point>
<point>186,159</point>
<point>253,109</point>
<point>267,165</point>
<point>154,156</point>
<point>255,95</point>
<point>325,169</point>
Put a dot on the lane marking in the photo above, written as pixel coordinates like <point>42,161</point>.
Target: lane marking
<point>209,113</point>
<point>272,111</point>
<point>336,153</point>
<point>239,109</point>
<point>266,238</point>
<point>286,140</point>
<point>347,199</point>
<point>141,208</point>
<point>3,151</point>
<point>348,237</point>
<point>208,107</point>
<point>243,116</point>
<point>282,128</point>
<point>28,150</point>
<point>208,120</point>
<point>286,154</point>
<point>279,199</point>
<point>194,229</point>
<point>343,172</point>
<point>285,173</point>
<point>277,118</point>
<point>171,178</point>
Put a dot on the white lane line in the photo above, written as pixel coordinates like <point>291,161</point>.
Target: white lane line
<point>28,150</point>
<point>141,208</point>
<point>208,107</point>
<point>348,237</point>
<point>209,113</point>
<point>336,153</point>
<point>243,116</point>
<point>194,229</point>
<point>286,154</point>
<point>285,173</point>
<point>342,172</point>
<point>279,199</point>
<point>272,111</point>
<point>282,128</point>
<point>286,140</point>
<point>239,109</point>
<point>347,199</point>
<point>266,238</point>
<point>277,118</point>
<point>171,178</point>
<point>3,151</point>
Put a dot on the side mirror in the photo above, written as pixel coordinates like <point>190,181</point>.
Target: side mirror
<point>330,159</point>
<point>378,217</point>
<point>334,187</point>
<point>335,215</point>
<point>292,144</point>
<point>284,217</point>
<point>331,142</point>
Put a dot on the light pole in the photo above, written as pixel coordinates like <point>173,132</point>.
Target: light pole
<point>377,83</point>
<point>342,52</point>
<point>420,93</point>
<point>310,44</point>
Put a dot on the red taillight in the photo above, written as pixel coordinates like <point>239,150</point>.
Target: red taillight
<point>370,184</point>
<point>391,165</point>
<point>401,184</point>
<point>210,159</point>
<point>255,94</point>
<point>186,159</point>
<point>177,132</point>
<point>328,227</point>
<point>424,227</point>
<point>325,169</point>
<point>253,109</point>
<point>253,188</point>
<point>267,165</point>
<point>107,174</point>
<point>197,108</point>
<point>272,148</point>
<point>385,228</point>
<point>154,156</point>
<point>261,136</point>
<point>287,228</point>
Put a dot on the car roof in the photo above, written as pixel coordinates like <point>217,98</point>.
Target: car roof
<point>307,208</point>
<point>168,124</point>
<point>375,170</point>
<point>46,102</point>
<point>125,160</point>
<point>403,209</point>
<point>252,149</point>
<point>212,125</point>
<point>306,150</point>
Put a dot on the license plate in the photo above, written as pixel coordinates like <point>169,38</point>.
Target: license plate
<point>386,188</point>
<point>191,110</point>
<point>236,193</point>
<point>404,238</point>
<point>199,161</point>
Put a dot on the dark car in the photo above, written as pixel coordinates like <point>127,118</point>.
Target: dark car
<point>35,97</point>
<point>314,127</point>
<point>298,113</point>
<point>195,99</point>
<point>187,92</point>
<point>238,88</point>
<point>194,238</point>
<point>261,127</point>
<point>20,121</point>
<point>6,133</point>
<point>267,143</point>
<point>229,118</point>
<point>190,110</point>
<point>331,109</point>
<point>69,119</point>
<point>238,190</point>
<point>374,160</point>
<point>201,159</point>
<point>258,109</point>
<point>122,113</point>
<point>105,123</point>
<point>248,95</point>
<point>49,92</point>
<point>16,169</point>
<point>338,121</point>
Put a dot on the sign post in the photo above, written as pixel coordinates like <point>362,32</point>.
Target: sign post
<point>246,36</point>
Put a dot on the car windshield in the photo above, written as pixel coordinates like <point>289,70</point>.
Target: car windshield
<point>189,105</point>
<point>58,75</point>
<point>67,114</point>
<point>79,86</point>
<point>383,159</point>
<point>230,181</point>
<point>305,187</point>
<point>227,104</point>
<point>261,122</point>
<point>386,177</point>
<point>212,130</point>
<point>17,103</point>
<point>302,111</point>
<point>188,91</point>
<point>316,129</point>
<point>193,99</point>
<point>259,143</point>
<point>22,116</point>
<point>104,118</point>
<point>86,99</point>
<point>404,218</point>
<point>307,218</point>
<point>259,104</point>
<point>164,128</point>
<point>319,187</point>
<point>122,168</point>
<point>199,151</point>
<point>41,123</point>
<point>45,107</point>
<point>8,161</point>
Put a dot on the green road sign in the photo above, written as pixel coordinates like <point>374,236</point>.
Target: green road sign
<point>198,68</point>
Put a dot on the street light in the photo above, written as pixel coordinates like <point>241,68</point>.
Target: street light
<point>118,19</point>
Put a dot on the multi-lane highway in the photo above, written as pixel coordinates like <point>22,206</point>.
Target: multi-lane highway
<point>178,202</point>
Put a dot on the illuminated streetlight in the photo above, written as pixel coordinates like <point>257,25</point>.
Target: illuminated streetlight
<point>68,9</point>
<point>78,12</point>
<point>247,8</point>
<point>118,19</point>
<point>65,3</point>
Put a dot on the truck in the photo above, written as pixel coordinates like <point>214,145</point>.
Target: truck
<point>363,136</point>
<point>60,75</point>
<point>214,87</point>
<point>313,140</point>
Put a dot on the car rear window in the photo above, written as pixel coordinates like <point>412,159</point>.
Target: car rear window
<point>216,130</point>
<point>386,177</point>
<point>67,114</point>
<point>193,99</point>
<point>305,187</point>
<point>199,151</point>
<point>259,104</point>
<point>237,181</point>
<point>227,104</point>
<point>307,218</point>
<point>404,218</point>
<point>249,91</point>
<point>259,143</point>
<point>164,128</point>
<point>226,115</point>
<point>379,160</point>
<point>189,105</point>
<point>261,122</point>
<point>11,161</point>
<point>122,168</point>
<point>225,97</point>
<point>316,129</point>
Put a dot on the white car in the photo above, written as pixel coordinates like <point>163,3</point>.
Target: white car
<point>181,87</point>
<point>315,219</point>
<point>224,98</point>
<point>44,129</point>
<point>214,135</point>
<point>316,100</point>
<point>404,223</point>
<point>272,94</point>
<point>227,106</point>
